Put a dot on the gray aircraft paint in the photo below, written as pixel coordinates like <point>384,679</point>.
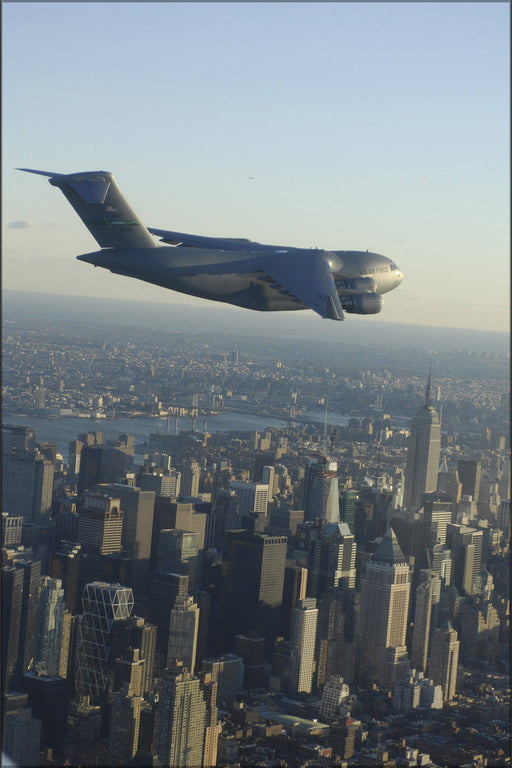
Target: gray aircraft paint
<point>232,270</point>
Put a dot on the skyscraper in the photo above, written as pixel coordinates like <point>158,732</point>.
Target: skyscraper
<point>178,553</point>
<point>138,510</point>
<point>164,589</point>
<point>253,575</point>
<point>12,595</point>
<point>103,604</point>
<point>49,638</point>
<point>444,657</point>
<point>183,633</point>
<point>126,707</point>
<point>466,546</point>
<point>321,496</point>
<point>437,513</point>
<point>384,608</point>
<point>332,559</point>
<point>190,476</point>
<point>21,738</point>
<point>469,472</point>
<point>27,484</point>
<point>422,621</point>
<point>31,582</point>
<point>305,618</point>
<point>423,453</point>
<point>181,720</point>
<point>251,498</point>
<point>100,523</point>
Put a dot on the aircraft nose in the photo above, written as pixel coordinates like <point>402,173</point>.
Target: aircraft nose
<point>399,276</point>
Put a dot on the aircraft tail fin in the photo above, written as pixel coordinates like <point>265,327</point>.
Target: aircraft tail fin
<point>102,207</point>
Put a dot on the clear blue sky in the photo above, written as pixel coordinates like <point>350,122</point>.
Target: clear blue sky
<point>366,125</point>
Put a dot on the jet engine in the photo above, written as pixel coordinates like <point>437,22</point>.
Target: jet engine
<point>362,303</point>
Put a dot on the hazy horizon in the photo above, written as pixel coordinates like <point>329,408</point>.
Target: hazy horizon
<point>216,316</point>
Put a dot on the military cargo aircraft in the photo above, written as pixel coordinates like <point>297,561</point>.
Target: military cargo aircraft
<point>232,270</point>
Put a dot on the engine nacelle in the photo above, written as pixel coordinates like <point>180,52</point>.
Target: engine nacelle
<point>362,303</point>
<point>356,285</point>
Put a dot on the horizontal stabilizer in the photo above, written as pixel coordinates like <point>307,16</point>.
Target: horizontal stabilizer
<point>102,207</point>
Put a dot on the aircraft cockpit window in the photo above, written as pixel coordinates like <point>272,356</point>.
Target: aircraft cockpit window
<point>392,266</point>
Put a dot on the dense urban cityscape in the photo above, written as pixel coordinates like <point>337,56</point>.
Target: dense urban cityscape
<point>225,549</point>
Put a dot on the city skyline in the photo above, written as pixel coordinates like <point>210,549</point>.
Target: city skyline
<point>396,154</point>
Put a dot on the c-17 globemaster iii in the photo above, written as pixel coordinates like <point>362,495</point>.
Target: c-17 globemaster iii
<point>233,270</point>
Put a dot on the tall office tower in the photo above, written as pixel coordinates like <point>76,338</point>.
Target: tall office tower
<point>320,498</point>
<point>11,530</point>
<point>178,553</point>
<point>227,671</point>
<point>441,562</point>
<point>469,472</point>
<point>184,516</point>
<point>181,720</point>
<point>128,670</point>
<point>305,618</point>
<point>136,632</point>
<point>49,628</point>
<point>100,464</point>
<point>27,485</point>
<point>138,511</point>
<point>126,707</point>
<point>422,453</point>
<point>335,648</point>
<point>251,648</point>
<point>12,595</point>
<point>466,546</point>
<point>31,581</point>
<point>505,517</point>
<point>103,605</point>
<point>294,589</point>
<point>348,504</point>
<point>444,657</point>
<point>190,476</point>
<point>449,483</point>
<point>164,589</point>
<point>22,737</point>
<point>251,498</point>
<point>212,726</point>
<point>437,514</point>
<point>268,477</point>
<point>384,608</point>
<point>123,738</point>
<point>100,523</point>
<point>75,451</point>
<point>422,619</point>
<point>183,628</point>
<point>18,438</point>
<point>65,565</point>
<point>253,575</point>
<point>223,517</point>
<point>162,484</point>
<point>332,560</point>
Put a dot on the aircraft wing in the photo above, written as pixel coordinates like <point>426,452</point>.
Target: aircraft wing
<point>199,241</point>
<point>308,276</point>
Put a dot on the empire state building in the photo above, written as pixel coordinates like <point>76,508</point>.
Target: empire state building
<point>422,453</point>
